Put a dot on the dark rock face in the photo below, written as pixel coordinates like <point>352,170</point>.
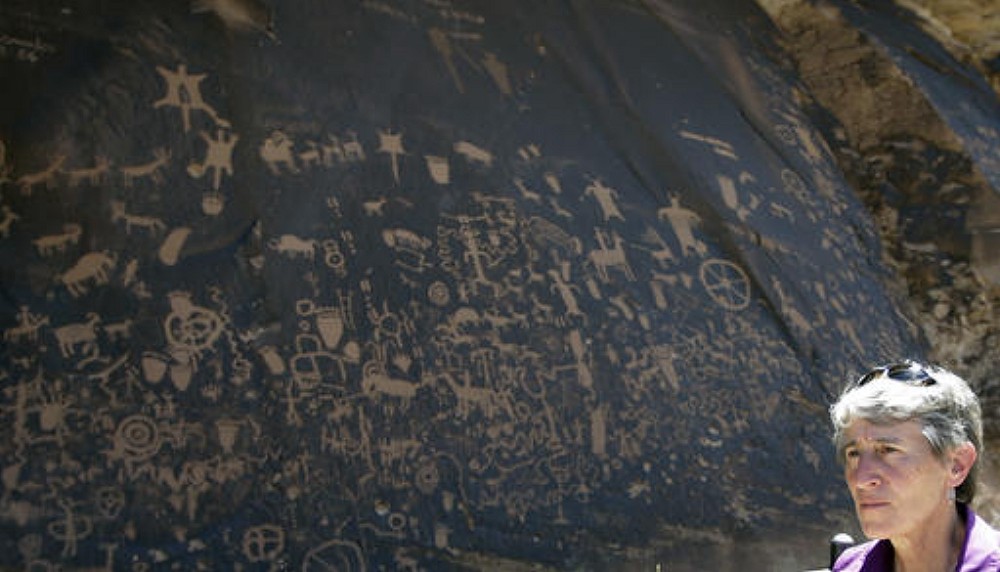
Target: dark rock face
<point>440,284</point>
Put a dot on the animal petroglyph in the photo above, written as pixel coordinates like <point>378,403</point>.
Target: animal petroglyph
<point>150,224</point>
<point>93,175</point>
<point>152,169</point>
<point>58,243</point>
<point>610,256</point>
<point>92,268</point>
<point>277,153</point>
<point>80,336</point>
<point>294,246</point>
<point>47,177</point>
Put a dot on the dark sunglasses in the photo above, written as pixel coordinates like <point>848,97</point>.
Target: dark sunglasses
<point>910,373</point>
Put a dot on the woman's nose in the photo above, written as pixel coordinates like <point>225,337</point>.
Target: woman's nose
<point>867,473</point>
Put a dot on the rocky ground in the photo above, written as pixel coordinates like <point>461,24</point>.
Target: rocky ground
<point>912,172</point>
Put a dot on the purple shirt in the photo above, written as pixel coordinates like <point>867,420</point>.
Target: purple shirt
<point>980,553</point>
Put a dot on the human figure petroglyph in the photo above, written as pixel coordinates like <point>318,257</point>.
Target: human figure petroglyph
<point>184,92</point>
<point>567,293</point>
<point>607,256</point>
<point>9,218</point>
<point>71,529</point>
<point>58,243</point>
<point>27,328</point>
<point>152,225</point>
<point>294,246</point>
<point>683,221</point>
<point>47,177</point>
<point>277,152</point>
<point>218,156</point>
<point>392,144</point>
<point>606,198</point>
<point>93,175</point>
<point>93,267</point>
<point>80,336</point>
<point>152,170</point>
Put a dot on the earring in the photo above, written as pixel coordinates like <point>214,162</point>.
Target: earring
<point>951,495</point>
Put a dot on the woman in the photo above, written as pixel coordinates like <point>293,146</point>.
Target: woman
<point>909,437</point>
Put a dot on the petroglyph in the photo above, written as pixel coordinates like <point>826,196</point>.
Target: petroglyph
<point>184,92</point>
<point>58,243</point>
<point>152,170</point>
<point>92,269</point>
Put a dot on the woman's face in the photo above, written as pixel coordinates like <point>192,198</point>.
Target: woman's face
<point>897,483</point>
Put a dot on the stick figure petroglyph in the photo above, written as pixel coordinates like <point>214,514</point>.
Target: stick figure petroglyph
<point>28,325</point>
<point>218,156</point>
<point>151,169</point>
<point>184,92</point>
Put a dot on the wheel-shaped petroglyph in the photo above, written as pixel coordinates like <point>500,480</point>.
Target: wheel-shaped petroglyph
<point>726,283</point>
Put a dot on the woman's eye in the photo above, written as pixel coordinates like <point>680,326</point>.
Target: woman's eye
<point>851,454</point>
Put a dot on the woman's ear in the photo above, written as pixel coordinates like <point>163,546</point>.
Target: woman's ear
<point>961,460</point>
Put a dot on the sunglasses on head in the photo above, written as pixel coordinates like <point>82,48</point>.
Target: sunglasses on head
<point>910,373</point>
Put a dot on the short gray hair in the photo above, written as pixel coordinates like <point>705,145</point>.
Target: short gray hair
<point>947,410</point>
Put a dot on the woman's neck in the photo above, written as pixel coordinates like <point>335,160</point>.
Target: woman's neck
<point>934,548</point>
